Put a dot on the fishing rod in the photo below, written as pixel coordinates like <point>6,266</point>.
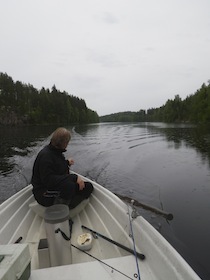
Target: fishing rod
<point>158,211</point>
<point>112,268</point>
<point>139,255</point>
<point>134,244</point>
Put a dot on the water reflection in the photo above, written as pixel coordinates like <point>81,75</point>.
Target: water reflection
<point>185,135</point>
<point>163,165</point>
<point>18,141</point>
<point>113,136</point>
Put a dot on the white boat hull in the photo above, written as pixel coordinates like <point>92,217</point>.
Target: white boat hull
<point>108,215</point>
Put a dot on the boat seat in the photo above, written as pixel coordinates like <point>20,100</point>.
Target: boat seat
<point>40,210</point>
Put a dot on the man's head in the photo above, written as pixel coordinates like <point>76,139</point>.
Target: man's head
<point>60,138</point>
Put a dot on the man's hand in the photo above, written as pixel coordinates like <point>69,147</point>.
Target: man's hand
<point>81,183</point>
<point>71,161</point>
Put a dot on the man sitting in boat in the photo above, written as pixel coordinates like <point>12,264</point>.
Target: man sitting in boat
<point>51,180</point>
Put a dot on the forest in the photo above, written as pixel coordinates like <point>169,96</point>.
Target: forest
<point>195,109</point>
<point>24,104</point>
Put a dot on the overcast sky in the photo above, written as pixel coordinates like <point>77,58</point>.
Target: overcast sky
<point>117,55</point>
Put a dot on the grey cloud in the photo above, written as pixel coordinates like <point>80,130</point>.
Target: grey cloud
<point>107,17</point>
<point>104,59</point>
<point>149,49</point>
<point>86,82</point>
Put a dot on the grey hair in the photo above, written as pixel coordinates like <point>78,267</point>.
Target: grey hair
<point>60,138</point>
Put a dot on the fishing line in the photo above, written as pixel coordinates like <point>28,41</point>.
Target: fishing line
<point>134,245</point>
<point>80,137</point>
<point>112,268</point>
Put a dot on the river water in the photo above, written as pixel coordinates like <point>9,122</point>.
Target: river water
<point>164,165</point>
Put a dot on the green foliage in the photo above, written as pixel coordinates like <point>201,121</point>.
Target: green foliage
<point>195,108</point>
<point>24,104</point>
<point>125,117</point>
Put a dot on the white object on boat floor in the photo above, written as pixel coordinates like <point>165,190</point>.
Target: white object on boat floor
<point>84,241</point>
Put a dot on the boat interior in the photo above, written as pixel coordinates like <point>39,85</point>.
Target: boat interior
<point>104,213</point>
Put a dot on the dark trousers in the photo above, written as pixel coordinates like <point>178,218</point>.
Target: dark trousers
<point>69,195</point>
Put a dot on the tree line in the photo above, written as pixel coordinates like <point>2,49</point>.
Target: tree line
<point>24,104</point>
<point>195,108</point>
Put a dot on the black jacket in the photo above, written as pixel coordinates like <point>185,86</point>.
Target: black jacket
<point>50,170</point>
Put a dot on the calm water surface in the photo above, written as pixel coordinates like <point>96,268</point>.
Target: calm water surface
<point>166,166</point>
